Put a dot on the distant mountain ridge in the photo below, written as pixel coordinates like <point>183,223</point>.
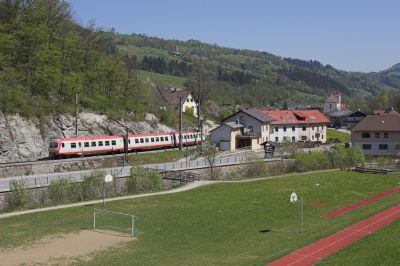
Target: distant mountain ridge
<point>251,77</point>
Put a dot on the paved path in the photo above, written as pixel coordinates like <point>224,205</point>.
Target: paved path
<point>186,187</point>
<point>325,247</point>
<point>361,203</point>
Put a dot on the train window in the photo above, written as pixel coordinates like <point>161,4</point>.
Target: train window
<point>113,142</point>
<point>147,140</point>
<point>86,144</point>
<point>62,145</point>
<point>152,139</point>
<point>80,144</point>
<point>157,139</point>
<point>129,141</point>
<point>93,144</point>
<point>136,140</point>
<point>166,138</point>
<point>185,136</point>
<point>73,145</point>
<point>162,138</point>
<point>141,140</point>
<point>107,143</point>
<point>100,143</point>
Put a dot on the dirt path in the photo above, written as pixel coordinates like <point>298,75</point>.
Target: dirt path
<point>327,246</point>
<point>61,250</point>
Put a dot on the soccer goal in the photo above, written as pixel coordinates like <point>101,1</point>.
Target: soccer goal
<point>116,221</point>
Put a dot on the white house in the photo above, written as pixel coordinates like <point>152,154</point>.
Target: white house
<point>245,128</point>
<point>172,96</point>
<point>297,125</point>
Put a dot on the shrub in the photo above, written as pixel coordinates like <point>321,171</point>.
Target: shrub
<point>58,191</point>
<point>142,180</point>
<point>18,196</point>
<point>255,168</point>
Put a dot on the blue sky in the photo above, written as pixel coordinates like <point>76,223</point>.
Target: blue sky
<point>353,35</point>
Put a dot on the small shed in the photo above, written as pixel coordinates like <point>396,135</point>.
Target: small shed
<point>269,149</point>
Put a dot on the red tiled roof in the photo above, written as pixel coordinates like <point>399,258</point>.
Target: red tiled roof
<point>295,116</point>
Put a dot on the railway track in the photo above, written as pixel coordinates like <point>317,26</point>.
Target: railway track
<point>47,160</point>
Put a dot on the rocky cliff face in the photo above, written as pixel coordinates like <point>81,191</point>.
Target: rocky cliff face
<point>23,139</point>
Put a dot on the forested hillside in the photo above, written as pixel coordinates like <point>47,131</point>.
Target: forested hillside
<point>256,78</point>
<point>46,58</point>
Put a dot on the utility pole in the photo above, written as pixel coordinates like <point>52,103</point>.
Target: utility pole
<point>180,123</point>
<point>76,114</point>
<point>198,120</point>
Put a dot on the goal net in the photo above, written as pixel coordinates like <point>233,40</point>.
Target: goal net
<point>115,221</point>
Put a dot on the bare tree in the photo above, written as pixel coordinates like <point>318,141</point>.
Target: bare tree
<point>210,155</point>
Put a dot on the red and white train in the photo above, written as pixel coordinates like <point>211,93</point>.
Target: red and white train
<point>68,147</point>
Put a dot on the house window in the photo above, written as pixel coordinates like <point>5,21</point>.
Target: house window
<point>284,138</point>
<point>303,137</point>
<point>276,129</point>
<point>276,139</point>
<point>251,128</point>
<point>322,136</point>
<point>377,135</point>
<point>113,142</point>
<point>293,128</point>
<point>322,127</point>
<point>93,144</point>
<point>312,137</point>
<point>366,146</point>
<point>86,144</point>
<point>73,145</point>
<point>293,139</point>
<point>385,135</point>
<point>284,129</point>
<point>191,100</point>
<point>383,146</point>
<point>107,143</point>
<point>304,128</point>
<point>366,135</point>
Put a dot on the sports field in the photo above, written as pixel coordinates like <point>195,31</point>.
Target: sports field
<point>249,223</point>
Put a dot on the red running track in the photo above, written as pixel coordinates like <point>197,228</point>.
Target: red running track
<point>340,240</point>
<point>360,203</point>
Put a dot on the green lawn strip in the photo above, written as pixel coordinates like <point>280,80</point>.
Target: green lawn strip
<point>334,134</point>
<point>379,248</point>
<point>218,224</point>
<point>164,79</point>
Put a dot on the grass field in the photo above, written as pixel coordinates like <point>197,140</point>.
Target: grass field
<point>334,134</point>
<point>161,156</point>
<point>220,224</point>
<point>164,79</point>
